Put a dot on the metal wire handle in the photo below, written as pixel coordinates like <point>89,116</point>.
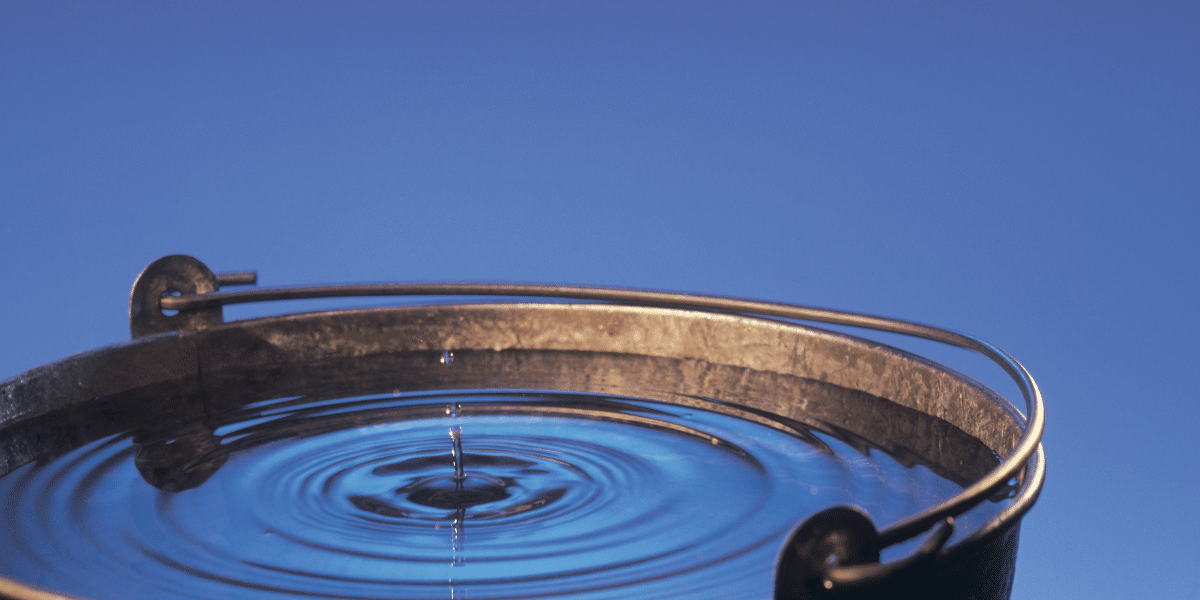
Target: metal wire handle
<point>1026,448</point>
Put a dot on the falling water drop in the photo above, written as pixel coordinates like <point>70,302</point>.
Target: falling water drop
<point>457,452</point>
<point>457,559</point>
<point>460,512</point>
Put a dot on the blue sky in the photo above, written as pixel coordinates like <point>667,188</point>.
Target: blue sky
<point>1025,172</point>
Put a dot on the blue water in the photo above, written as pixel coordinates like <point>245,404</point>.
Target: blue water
<point>446,496</point>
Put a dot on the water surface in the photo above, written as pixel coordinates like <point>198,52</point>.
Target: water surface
<point>439,496</point>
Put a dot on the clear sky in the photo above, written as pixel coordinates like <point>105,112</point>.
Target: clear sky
<point>1025,172</point>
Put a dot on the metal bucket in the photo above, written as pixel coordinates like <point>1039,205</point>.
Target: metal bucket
<point>747,360</point>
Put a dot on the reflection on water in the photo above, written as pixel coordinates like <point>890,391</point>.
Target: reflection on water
<point>483,495</point>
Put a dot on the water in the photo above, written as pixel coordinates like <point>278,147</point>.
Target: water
<point>446,495</point>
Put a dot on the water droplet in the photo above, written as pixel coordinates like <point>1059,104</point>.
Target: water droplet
<point>457,452</point>
<point>457,545</point>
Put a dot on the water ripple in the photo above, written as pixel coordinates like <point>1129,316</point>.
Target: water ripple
<point>488,495</point>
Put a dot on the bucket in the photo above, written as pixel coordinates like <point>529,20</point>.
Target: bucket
<point>609,443</point>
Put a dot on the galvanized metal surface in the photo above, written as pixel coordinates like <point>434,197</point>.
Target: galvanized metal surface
<point>659,345</point>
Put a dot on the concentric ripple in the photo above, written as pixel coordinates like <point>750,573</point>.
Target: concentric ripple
<point>484,495</point>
